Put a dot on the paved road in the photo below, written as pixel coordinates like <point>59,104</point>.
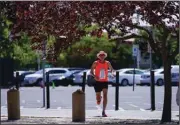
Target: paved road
<point>61,98</point>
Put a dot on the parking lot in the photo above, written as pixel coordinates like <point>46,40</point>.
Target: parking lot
<point>74,76</point>
<point>61,98</point>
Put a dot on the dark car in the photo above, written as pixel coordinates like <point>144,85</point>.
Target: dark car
<point>22,76</point>
<point>66,80</point>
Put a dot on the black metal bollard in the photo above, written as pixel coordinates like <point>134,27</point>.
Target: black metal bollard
<point>117,92</point>
<point>152,91</point>
<point>47,90</point>
<point>84,82</point>
<point>17,80</point>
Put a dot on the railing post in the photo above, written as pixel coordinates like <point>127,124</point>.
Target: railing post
<point>47,90</point>
<point>152,91</point>
<point>17,80</point>
<point>84,82</point>
<point>117,92</point>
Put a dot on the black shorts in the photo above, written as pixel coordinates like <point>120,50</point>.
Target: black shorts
<point>99,86</point>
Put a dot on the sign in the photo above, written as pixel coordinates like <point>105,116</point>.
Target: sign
<point>135,50</point>
<point>149,48</point>
<point>47,66</point>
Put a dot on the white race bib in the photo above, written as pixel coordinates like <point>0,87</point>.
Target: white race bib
<point>102,74</point>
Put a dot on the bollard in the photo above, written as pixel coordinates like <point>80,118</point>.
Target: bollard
<point>84,82</point>
<point>17,80</point>
<point>47,90</point>
<point>117,92</point>
<point>152,91</point>
<point>78,106</point>
<point>13,102</point>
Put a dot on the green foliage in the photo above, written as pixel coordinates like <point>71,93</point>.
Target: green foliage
<point>51,40</point>
<point>177,59</point>
<point>5,42</point>
<point>83,53</point>
<point>23,53</point>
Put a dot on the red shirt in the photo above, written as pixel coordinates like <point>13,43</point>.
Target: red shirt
<point>101,71</point>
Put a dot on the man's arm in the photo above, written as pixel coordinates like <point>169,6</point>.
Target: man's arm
<point>110,67</point>
<point>92,68</point>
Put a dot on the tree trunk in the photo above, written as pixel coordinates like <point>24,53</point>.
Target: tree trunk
<point>166,115</point>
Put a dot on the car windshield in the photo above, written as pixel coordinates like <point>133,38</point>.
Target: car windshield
<point>75,69</point>
<point>83,72</point>
<point>39,72</point>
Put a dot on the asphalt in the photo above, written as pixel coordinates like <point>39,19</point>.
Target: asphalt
<point>61,98</point>
<point>132,106</point>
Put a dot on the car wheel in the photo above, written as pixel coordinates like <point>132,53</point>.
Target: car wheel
<point>124,82</point>
<point>160,82</point>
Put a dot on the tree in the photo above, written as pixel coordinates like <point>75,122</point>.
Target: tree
<point>7,17</point>
<point>164,41</point>
<point>65,18</point>
<point>43,19</point>
<point>161,15</point>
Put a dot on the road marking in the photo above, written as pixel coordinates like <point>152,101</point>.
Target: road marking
<point>133,105</point>
<point>132,97</point>
<point>59,108</point>
<point>121,109</point>
<point>160,102</point>
<point>3,107</point>
<point>142,109</point>
<point>146,104</point>
<point>21,107</point>
<point>127,102</point>
<point>23,101</point>
<point>38,101</point>
<point>98,107</point>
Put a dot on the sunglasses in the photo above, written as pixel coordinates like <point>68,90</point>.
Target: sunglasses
<point>102,55</point>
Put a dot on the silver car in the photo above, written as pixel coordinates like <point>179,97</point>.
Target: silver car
<point>177,97</point>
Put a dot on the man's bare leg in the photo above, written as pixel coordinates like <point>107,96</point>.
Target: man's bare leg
<point>98,97</point>
<point>104,99</point>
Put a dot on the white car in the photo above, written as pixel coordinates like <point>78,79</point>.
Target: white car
<point>78,78</point>
<point>20,72</point>
<point>36,78</point>
<point>126,76</point>
<point>158,77</point>
<point>177,97</point>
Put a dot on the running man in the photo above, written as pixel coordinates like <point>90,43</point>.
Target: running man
<point>99,71</point>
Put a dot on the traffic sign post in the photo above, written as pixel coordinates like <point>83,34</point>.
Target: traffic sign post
<point>135,50</point>
<point>135,53</point>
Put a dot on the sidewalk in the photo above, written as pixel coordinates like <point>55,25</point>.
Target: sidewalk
<point>64,116</point>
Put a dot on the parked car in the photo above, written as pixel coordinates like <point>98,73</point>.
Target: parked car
<point>36,78</point>
<point>20,72</point>
<point>174,68</point>
<point>78,78</point>
<point>66,79</point>
<point>177,96</point>
<point>23,75</point>
<point>159,77</point>
<point>126,76</point>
